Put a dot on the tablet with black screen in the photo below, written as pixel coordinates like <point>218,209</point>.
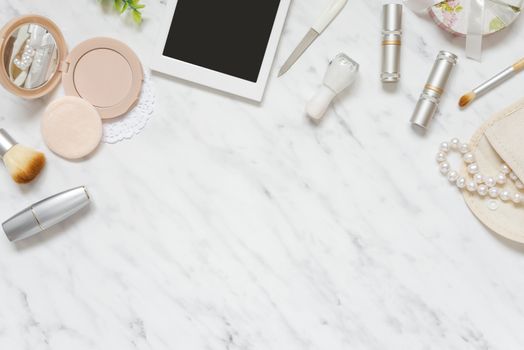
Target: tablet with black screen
<point>224,44</point>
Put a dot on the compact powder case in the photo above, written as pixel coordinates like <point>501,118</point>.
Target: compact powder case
<point>102,78</point>
<point>103,71</point>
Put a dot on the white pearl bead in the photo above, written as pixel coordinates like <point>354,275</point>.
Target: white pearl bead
<point>471,186</point>
<point>444,147</point>
<point>464,148</point>
<point>519,184</point>
<point>513,177</point>
<point>478,178</point>
<point>461,182</point>
<point>441,157</point>
<point>473,168</point>
<point>493,192</point>
<point>454,143</point>
<point>490,182</point>
<point>516,198</point>
<point>505,169</point>
<point>505,195</point>
<point>469,158</point>
<point>444,167</point>
<point>482,190</point>
<point>501,178</point>
<point>453,176</point>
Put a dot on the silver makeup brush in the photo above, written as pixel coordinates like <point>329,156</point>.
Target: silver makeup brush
<point>491,83</point>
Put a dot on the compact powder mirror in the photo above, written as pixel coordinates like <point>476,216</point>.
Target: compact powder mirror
<point>31,48</point>
<point>30,56</point>
<point>103,71</point>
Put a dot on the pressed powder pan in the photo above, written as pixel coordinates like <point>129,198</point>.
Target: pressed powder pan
<point>103,71</point>
<point>106,73</point>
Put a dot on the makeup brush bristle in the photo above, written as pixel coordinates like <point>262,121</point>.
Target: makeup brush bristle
<point>24,163</point>
<point>467,99</point>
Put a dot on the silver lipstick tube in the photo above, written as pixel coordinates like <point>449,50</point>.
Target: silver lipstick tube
<point>46,213</point>
<point>430,98</point>
<point>391,42</point>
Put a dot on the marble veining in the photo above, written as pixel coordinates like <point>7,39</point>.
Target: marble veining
<point>232,225</point>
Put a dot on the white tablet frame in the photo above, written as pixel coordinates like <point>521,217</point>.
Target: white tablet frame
<point>214,79</point>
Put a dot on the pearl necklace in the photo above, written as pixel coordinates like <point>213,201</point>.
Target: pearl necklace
<point>479,183</point>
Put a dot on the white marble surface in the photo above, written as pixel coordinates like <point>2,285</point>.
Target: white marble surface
<point>228,225</point>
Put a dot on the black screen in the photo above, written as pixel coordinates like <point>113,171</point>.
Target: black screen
<point>227,36</point>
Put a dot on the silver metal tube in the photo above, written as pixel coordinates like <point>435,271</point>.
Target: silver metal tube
<point>430,98</point>
<point>46,213</point>
<point>391,42</point>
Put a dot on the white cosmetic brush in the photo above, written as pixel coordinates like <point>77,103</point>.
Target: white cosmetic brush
<point>491,83</point>
<point>23,163</point>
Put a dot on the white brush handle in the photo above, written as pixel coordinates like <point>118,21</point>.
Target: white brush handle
<point>317,106</point>
<point>328,15</point>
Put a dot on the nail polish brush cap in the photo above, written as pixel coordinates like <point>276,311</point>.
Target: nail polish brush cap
<point>46,213</point>
<point>6,142</point>
<point>341,73</point>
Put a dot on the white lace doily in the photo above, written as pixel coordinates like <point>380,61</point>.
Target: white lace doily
<point>134,121</point>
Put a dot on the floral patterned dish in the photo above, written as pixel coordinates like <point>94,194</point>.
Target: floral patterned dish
<point>452,16</point>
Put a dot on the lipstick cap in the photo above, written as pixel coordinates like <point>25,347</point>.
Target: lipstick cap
<point>392,18</point>
<point>46,213</point>
<point>442,69</point>
<point>6,142</point>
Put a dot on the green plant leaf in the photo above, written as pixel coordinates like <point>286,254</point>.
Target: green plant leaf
<point>130,5</point>
<point>137,16</point>
<point>118,4</point>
